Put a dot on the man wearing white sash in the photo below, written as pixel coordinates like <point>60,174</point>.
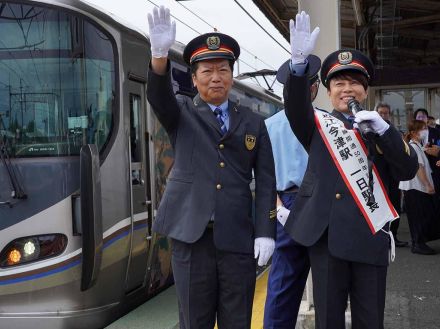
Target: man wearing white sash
<point>342,211</point>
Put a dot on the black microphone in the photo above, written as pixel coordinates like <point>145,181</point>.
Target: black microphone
<point>364,126</point>
<point>368,133</point>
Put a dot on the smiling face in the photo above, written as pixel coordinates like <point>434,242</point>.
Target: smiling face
<point>213,80</point>
<point>343,88</point>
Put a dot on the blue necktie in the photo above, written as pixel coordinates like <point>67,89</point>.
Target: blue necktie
<point>218,114</point>
<point>351,119</point>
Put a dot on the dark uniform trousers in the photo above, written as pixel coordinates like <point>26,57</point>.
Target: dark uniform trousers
<point>214,268</point>
<point>346,258</point>
<point>212,284</point>
<point>334,279</point>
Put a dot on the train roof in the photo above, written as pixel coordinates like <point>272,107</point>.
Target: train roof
<point>92,10</point>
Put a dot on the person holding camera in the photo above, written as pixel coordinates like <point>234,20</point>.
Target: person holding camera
<point>342,212</point>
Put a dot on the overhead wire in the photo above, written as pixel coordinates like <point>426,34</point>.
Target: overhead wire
<point>176,18</point>
<point>214,28</point>
<point>249,52</point>
<point>179,20</point>
<point>256,22</point>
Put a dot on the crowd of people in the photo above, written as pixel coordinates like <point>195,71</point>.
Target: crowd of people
<point>324,181</point>
<point>421,195</point>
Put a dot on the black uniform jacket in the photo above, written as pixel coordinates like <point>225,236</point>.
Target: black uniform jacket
<point>317,208</point>
<point>211,174</point>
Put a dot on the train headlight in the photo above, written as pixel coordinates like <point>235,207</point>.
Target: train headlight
<point>31,249</point>
<point>14,257</point>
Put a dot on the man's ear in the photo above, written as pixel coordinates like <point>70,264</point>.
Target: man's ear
<point>194,80</point>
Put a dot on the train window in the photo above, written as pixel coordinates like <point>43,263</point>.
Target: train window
<point>403,103</point>
<point>135,129</point>
<point>256,104</point>
<point>182,81</point>
<point>57,81</point>
<point>135,139</point>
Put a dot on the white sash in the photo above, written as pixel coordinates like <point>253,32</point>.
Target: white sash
<point>349,154</point>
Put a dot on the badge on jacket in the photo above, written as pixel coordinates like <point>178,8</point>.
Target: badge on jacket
<point>249,141</point>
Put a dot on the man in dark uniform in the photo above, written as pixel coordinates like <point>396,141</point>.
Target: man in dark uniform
<point>348,247</point>
<point>207,206</point>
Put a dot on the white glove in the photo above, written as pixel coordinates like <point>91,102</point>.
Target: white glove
<point>162,31</point>
<point>375,121</point>
<point>302,42</point>
<point>263,249</point>
<point>282,214</point>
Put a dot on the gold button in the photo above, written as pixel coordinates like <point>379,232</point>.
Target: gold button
<point>221,146</point>
<point>219,187</point>
<point>222,164</point>
<point>338,196</point>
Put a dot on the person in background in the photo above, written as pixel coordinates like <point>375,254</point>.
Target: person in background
<point>290,261</point>
<point>335,214</point>
<point>419,191</point>
<point>431,146</point>
<point>431,122</point>
<point>384,110</point>
<point>394,194</point>
<point>206,208</point>
<point>434,133</point>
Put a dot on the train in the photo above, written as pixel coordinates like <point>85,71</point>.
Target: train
<point>83,165</point>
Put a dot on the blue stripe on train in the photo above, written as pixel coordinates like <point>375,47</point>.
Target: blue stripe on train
<point>40,275</point>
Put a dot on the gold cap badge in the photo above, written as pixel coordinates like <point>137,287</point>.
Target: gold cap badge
<point>345,58</point>
<point>213,43</point>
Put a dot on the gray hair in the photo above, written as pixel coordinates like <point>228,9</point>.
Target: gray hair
<point>382,104</point>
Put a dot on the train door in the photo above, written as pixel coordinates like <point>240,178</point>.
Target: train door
<point>141,215</point>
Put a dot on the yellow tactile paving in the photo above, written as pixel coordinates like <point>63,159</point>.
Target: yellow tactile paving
<point>259,300</point>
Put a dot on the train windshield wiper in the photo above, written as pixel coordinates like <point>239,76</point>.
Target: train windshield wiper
<point>17,191</point>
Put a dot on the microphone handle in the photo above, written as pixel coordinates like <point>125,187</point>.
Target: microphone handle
<point>365,129</point>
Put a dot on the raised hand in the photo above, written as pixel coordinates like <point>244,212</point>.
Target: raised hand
<point>162,32</point>
<point>302,42</point>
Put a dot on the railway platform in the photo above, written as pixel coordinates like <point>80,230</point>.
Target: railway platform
<point>412,302</point>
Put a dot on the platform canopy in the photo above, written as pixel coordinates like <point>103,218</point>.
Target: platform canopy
<point>402,37</point>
